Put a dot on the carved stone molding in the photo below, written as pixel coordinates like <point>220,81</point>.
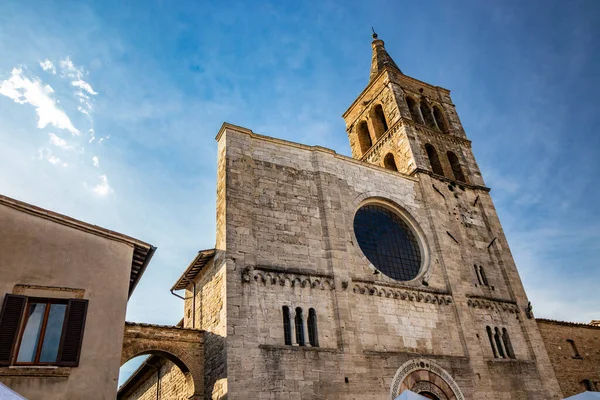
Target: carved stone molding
<point>401,293</point>
<point>493,304</point>
<point>409,376</point>
<point>290,278</point>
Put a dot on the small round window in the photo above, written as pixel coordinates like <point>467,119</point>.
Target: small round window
<point>388,242</point>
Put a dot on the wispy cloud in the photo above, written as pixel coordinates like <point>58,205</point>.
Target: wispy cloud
<point>59,142</point>
<point>24,90</point>
<point>84,89</point>
<point>102,188</point>
<point>45,153</point>
<point>96,161</point>
<point>47,65</point>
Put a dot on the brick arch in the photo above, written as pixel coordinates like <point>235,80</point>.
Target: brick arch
<point>183,347</point>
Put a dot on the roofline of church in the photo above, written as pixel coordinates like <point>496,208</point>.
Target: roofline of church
<point>567,323</point>
<point>142,251</point>
<point>321,149</point>
<point>387,68</point>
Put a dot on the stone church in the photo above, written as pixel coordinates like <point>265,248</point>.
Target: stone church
<point>356,278</point>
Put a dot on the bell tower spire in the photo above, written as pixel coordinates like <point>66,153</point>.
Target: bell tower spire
<point>407,125</point>
<point>380,58</point>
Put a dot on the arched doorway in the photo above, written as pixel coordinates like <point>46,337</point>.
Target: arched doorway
<point>426,378</point>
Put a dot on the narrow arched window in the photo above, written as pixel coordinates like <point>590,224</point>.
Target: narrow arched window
<point>313,335</point>
<point>574,349</point>
<point>507,344</point>
<point>456,169</point>
<point>364,137</point>
<point>491,338</point>
<point>287,326</point>
<point>427,115</point>
<point>299,327</point>
<point>498,341</point>
<point>379,123</point>
<point>484,280</point>
<point>439,119</point>
<point>434,160</point>
<point>414,110</point>
<point>389,162</point>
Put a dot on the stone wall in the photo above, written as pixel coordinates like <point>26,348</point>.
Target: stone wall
<point>289,241</point>
<point>572,365</point>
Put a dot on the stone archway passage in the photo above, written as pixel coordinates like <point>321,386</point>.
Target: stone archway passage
<point>421,375</point>
<point>183,347</point>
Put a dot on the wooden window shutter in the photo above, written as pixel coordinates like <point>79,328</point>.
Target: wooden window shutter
<point>72,334</point>
<point>10,321</point>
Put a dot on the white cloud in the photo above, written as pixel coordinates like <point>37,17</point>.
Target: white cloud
<point>103,188</point>
<point>48,66</point>
<point>59,142</point>
<point>85,86</point>
<point>23,90</point>
<point>46,154</point>
<point>96,161</point>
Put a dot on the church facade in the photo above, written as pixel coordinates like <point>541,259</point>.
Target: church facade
<point>340,277</point>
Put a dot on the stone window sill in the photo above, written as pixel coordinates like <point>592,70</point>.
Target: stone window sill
<point>509,360</point>
<point>37,371</point>
<point>296,348</point>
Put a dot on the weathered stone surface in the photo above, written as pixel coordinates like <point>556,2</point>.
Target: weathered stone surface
<point>572,365</point>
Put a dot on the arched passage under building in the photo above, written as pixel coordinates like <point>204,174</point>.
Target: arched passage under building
<point>183,347</point>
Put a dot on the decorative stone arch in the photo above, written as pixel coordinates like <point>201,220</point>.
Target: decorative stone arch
<point>421,375</point>
<point>378,120</point>
<point>183,347</point>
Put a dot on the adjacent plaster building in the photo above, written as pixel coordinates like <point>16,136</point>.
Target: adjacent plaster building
<point>65,286</point>
<point>345,278</point>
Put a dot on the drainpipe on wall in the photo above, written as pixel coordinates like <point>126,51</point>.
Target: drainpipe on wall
<point>193,302</point>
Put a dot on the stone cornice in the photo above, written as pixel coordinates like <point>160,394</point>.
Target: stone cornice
<point>445,179</point>
<point>566,323</point>
<point>401,292</point>
<point>290,277</point>
<point>482,302</point>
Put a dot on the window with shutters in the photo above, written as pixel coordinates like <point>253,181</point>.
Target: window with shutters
<point>41,331</point>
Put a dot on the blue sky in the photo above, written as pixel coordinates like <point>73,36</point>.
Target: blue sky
<point>109,109</point>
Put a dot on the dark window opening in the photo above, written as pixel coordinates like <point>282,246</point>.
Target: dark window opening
<point>287,326</point>
<point>364,137</point>
<point>388,242</point>
<point>427,115</point>
<point>439,119</point>
<point>299,327</point>
<point>498,341</point>
<point>434,160</point>
<point>456,169</point>
<point>484,280</point>
<point>507,344</point>
<point>491,338</point>
<point>574,349</point>
<point>414,110</point>
<point>313,335</point>
<point>389,162</point>
<point>379,123</point>
<point>588,385</point>
<point>38,331</point>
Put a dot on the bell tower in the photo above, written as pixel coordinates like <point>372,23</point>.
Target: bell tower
<point>406,125</point>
